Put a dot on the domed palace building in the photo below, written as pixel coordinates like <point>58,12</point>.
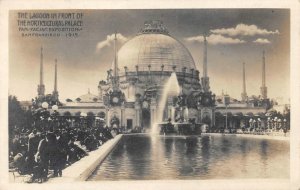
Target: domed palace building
<point>130,95</point>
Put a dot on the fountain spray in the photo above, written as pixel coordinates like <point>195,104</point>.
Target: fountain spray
<point>171,89</point>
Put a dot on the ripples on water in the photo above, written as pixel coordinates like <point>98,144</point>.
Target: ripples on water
<point>143,157</point>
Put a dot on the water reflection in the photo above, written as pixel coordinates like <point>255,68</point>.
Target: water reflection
<point>159,157</point>
<point>243,147</point>
<point>225,146</point>
<point>264,156</point>
<point>205,150</point>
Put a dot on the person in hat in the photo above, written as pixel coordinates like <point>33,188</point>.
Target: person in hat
<point>33,143</point>
<point>62,143</point>
<point>53,153</point>
<point>42,156</point>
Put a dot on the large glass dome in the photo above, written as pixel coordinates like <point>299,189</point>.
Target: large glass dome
<point>155,47</point>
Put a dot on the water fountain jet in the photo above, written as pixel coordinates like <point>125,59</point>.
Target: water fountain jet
<point>171,89</point>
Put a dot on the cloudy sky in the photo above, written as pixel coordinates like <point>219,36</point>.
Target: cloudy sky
<point>235,36</point>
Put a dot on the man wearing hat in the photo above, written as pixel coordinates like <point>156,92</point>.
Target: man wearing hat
<point>42,156</point>
<point>33,143</point>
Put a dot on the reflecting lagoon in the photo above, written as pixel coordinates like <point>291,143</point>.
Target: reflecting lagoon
<point>144,157</point>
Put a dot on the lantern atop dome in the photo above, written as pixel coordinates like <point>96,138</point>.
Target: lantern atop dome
<point>154,27</point>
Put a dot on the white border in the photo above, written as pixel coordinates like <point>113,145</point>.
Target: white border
<point>293,5</point>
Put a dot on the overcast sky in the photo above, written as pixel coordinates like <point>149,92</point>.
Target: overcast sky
<point>236,36</point>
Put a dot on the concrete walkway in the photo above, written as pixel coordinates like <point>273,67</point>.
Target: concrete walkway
<point>82,169</point>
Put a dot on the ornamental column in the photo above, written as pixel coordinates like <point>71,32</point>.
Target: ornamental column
<point>107,117</point>
<point>173,114</point>
<point>137,108</point>
<point>185,113</point>
<point>123,116</point>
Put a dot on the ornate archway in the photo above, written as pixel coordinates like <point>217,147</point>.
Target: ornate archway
<point>206,120</point>
<point>115,122</point>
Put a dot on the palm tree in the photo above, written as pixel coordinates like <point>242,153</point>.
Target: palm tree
<point>16,115</point>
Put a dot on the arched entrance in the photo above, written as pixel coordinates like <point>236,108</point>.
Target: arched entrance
<point>206,120</point>
<point>146,117</point>
<point>115,122</point>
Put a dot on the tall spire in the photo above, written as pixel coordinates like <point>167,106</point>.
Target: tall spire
<point>263,87</point>
<point>55,76</point>
<point>41,68</point>
<point>41,86</point>
<point>244,93</point>
<point>205,78</point>
<point>263,70</point>
<point>205,57</point>
<point>116,75</point>
<point>55,92</point>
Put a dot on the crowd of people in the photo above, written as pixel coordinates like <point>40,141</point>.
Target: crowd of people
<point>39,153</point>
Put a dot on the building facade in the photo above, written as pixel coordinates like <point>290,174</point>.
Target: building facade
<point>141,68</point>
<point>131,94</point>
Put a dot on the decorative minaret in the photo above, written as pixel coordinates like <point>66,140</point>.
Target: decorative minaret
<point>263,88</point>
<point>205,78</point>
<point>55,92</point>
<point>115,81</point>
<point>205,57</point>
<point>41,86</point>
<point>244,93</point>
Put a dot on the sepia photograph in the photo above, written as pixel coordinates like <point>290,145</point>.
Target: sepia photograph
<point>149,95</point>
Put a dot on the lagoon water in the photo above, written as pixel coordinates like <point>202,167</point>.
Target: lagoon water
<point>144,157</point>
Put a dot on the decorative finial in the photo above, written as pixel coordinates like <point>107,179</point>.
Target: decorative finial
<point>154,27</point>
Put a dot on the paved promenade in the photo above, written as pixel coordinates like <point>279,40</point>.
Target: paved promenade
<point>78,171</point>
<point>81,170</point>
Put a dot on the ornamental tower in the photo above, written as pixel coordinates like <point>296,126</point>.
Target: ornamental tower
<point>41,86</point>
<point>55,92</point>
<point>205,78</point>
<point>263,88</point>
<point>244,93</point>
<point>115,81</point>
